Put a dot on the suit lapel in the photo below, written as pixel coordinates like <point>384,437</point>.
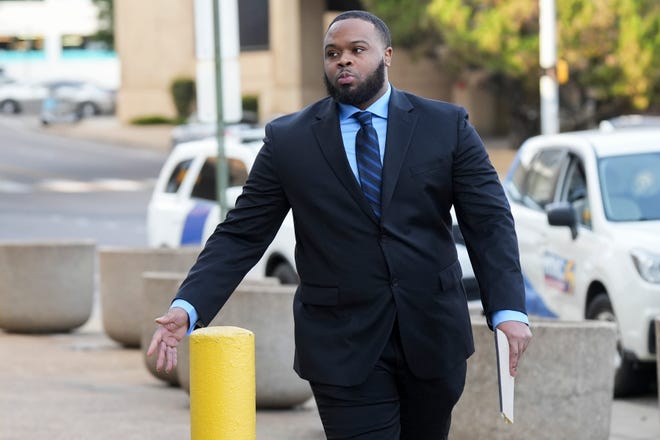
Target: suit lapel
<point>400,126</point>
<point>328,135</point>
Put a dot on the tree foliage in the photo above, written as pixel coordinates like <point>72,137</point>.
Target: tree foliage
<point>611,46</point>
<point>106,17</point>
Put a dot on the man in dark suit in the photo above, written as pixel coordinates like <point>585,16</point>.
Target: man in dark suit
<point>381,321</point>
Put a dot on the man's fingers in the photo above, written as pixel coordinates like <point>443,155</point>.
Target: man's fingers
<point>171,359</point>
<point>164,320</point>
<point>167,357</point>
<point>519,336</point>
<point>155,340</point>
<point>514,355</point>
<point>171,328</point>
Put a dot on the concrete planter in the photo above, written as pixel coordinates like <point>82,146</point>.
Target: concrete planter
<point>46,287</point>
<point>265,310</point>
<point>158,289</point>
<point>564,386</point>
<point>120,273</point>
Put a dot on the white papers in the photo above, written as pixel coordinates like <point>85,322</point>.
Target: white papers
<point>505,381</point>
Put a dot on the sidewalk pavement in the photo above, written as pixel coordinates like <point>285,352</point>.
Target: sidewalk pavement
<point>82,385</point>
<point>109,129</point>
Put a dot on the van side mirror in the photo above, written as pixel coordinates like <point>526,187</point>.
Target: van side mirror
<point>562,214</point>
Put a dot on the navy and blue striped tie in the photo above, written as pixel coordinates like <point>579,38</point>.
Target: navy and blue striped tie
<point>367,153</point>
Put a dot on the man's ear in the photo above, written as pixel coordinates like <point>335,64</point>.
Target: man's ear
<point>388,57</point>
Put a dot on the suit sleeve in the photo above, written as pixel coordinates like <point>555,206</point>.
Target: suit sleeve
<point>486,223</point>
<point>239,241</point>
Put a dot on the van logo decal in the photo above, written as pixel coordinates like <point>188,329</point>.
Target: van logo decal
<point>194,225</point>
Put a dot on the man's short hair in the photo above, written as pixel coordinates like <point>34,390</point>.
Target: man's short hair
<point>379,24</point>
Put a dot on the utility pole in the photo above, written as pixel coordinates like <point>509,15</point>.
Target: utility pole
<point>549,87</point>
<point>222,178</point>
<point>218,77</point>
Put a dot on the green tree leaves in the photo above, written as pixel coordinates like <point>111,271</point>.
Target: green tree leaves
<point>612,46</point>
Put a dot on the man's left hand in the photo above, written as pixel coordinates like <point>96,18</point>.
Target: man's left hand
<point>519,336</point>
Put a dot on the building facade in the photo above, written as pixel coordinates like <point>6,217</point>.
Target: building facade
<point>280,59</point>
<point>50,39</point>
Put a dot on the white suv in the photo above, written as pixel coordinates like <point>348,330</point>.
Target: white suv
<point>183,210</point>
<point>587,212</point>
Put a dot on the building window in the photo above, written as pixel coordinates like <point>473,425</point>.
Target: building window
<point>21,48</point>
<point>253,24</point>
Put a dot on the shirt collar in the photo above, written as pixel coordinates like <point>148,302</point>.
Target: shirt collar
<point>378,108</point>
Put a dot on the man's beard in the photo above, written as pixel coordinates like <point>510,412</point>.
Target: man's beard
<point>363,93</point>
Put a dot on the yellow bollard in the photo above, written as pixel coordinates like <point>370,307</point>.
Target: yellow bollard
<point>222,384</point>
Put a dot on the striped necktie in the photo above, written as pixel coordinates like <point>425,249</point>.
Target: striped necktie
<point>367,153</point>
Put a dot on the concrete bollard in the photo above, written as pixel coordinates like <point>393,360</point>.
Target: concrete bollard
<point>564,386</point>
<point>266,310</point>
<point>222,384</point>
<point>120,274</point>
<point>46,287</point>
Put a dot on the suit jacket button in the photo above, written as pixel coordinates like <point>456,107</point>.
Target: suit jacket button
<point>394,282</point>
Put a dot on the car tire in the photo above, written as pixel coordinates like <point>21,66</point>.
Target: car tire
<point>9,107</point>
<point>628,376</point>
<point>285,273</point>
<point>87,110</point>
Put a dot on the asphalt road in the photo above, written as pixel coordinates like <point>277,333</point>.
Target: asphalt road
<point>54,188</point>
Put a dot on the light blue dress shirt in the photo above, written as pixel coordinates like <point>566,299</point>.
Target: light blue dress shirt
<point>349,128</point>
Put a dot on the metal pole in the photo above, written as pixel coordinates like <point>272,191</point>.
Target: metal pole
<point>549,88</point>
<point>222,179</point>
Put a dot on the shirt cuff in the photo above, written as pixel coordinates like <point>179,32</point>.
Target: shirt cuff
<point>508,315</point>
<point>190,310</point>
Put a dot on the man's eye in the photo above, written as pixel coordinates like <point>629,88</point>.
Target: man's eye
<point>331,54</point>
<point>358,50</point>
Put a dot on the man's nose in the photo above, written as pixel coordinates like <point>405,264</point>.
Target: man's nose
<point>345,59</point>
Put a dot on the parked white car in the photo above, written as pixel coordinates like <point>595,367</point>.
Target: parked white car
<point>183,210</point>
<point>587,212</point>
<point>79,98</point>
<point>21,96</point>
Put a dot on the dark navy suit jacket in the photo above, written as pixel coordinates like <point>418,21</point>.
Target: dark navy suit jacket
<point>359,273</point>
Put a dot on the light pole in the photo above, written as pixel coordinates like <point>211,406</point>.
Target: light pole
<point>549,88</point>
<point>221,163</point>
<point>218,77</point>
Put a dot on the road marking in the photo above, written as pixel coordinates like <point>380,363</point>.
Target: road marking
<point>7,186</point>
<point>77,186</point>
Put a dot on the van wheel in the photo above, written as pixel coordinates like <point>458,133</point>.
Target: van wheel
<point>285,273</point>
<point>627,377</point>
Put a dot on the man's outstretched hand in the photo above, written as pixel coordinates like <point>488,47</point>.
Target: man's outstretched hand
<point>172,328</point>
<point>519,335</point>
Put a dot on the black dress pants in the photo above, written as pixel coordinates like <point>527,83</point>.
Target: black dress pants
<point>392,404</point>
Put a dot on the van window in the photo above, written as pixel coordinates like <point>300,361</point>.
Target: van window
<point>205,186</point>
<point>542,178</point>
<point>237,172</point>
<point>177,176</point>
